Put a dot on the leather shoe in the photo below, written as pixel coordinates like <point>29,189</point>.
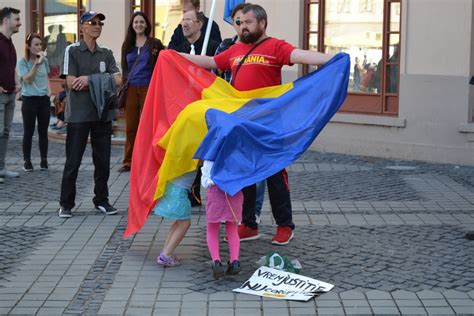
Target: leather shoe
<point>124,169</point>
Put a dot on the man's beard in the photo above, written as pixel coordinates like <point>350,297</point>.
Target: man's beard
<point>250,37</point>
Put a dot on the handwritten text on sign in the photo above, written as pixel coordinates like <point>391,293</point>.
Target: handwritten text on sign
<point>283,285</point>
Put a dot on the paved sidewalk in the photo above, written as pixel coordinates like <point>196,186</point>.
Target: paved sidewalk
<point>388,234</point>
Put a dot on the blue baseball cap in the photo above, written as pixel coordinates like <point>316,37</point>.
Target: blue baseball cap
<point>89,15</point>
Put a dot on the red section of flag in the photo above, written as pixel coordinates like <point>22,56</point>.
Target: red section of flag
<point>175,83</point>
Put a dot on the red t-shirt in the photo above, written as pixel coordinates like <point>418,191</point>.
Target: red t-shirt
<point>262,68</point>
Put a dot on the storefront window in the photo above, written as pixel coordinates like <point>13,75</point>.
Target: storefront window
<point>369,31</point>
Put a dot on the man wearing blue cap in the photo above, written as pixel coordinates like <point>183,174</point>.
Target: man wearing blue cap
<point>82,59</point>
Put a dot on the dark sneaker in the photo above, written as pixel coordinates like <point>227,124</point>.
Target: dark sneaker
<point>64,212</point>
<point>124,169</point>
<point>44,164</point>
<point>166,261</point>
<point>217,270</point>
<point>233,268</point>
<point>27,166</point>
<point>106,208</point>
<point>283,236</point>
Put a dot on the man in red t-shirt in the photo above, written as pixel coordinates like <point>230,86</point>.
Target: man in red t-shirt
<point>261,68</point>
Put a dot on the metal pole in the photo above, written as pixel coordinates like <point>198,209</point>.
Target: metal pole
<point>208,29</point>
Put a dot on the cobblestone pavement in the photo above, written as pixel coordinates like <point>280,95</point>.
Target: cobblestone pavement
<point>388,234</point>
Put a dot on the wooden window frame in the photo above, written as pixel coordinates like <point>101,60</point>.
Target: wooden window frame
<point>383,103</point>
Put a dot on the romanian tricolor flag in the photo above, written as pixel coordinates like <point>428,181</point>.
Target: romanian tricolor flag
<point>189,113</point>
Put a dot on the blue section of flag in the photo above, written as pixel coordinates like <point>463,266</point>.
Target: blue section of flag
<point>229,6</point>
<point>267,135</point>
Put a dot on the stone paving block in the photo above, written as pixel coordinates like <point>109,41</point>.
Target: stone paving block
<point>247,304</point>
<point>440,311</point>
<point>275,312</point>
<point>247,312</point>
<point>114,304</point>
<point>164,298</point>
<point>221,304</point>
<point>463,310</point>
<point>408,303</point>
<point>404,295</point>
<point>193,312</point>
<point>138,311</point>
<point>222,296</point>
<point>167,305</point>
<point>220,311</point>
<point>427,294</point>
<point>199,305</point>
<point>382,303</point>
<point>141,304</point>
<point>358,311</point>
<point>195,297</point>
<point>381,310</point>
<point>412,311</point>
<point>166,312</point>
<point>62,304</point>
<point>303,311</point>
<point>51,311</point>
<point>24,311</point>
<point>327,296</point>
<point>378,295</point>
<point>461,302</point>
<point>329,303</point>
<point>330,311</point>
<point>275,304</point>
<point>352,295</point>
<point>355,303</point>
<point>111,311</point>
<point>455,294</point>
<point>434,302</point>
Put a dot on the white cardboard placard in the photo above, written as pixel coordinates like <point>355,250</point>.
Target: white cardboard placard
<point>283,285</point>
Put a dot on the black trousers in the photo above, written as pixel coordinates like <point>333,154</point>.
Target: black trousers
<point>279,194</point>
<point>35,109</point>
<point>76,141</point>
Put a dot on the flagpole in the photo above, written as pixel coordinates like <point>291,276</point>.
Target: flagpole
<point>208,29</point>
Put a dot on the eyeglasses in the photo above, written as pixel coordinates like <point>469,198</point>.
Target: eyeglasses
<point>237,22</point>
<point>94,23</point>
<point>188,21</point>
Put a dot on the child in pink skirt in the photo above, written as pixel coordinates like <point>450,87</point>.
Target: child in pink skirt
<point>221,207</point>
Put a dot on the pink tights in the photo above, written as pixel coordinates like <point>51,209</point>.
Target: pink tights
<point>232,237</point>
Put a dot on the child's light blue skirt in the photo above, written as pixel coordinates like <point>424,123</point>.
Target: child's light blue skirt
<point>174,204</point>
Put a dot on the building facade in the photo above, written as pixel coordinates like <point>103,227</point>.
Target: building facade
<point>409,95</point>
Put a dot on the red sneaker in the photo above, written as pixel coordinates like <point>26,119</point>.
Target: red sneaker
<point>246,233</point>
<point>283,236</point>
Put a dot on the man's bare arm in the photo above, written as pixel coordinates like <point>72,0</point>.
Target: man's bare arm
<point>202,61</point>
<point>300,56</point>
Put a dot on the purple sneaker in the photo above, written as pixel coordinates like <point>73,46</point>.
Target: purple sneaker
<point>166,261</point>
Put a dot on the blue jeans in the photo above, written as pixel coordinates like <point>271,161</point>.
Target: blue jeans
<point>7,108</point>
<point>259,197</point>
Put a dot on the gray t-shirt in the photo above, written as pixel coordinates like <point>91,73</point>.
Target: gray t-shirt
<point>80,61</point>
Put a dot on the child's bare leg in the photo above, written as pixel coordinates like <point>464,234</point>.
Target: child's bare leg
<point>170,233</point>
<point>176,236</point>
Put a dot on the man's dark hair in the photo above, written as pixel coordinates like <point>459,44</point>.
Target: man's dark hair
<point>238,8</point>
<point>6,12</point>
<point>200,17</point>
<point>258,12</point>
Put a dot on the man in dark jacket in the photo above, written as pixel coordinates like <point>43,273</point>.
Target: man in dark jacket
<point>178,37</point>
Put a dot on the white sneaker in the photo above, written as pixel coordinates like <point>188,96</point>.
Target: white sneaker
<point>5,173</point>
<point>257,219</point>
